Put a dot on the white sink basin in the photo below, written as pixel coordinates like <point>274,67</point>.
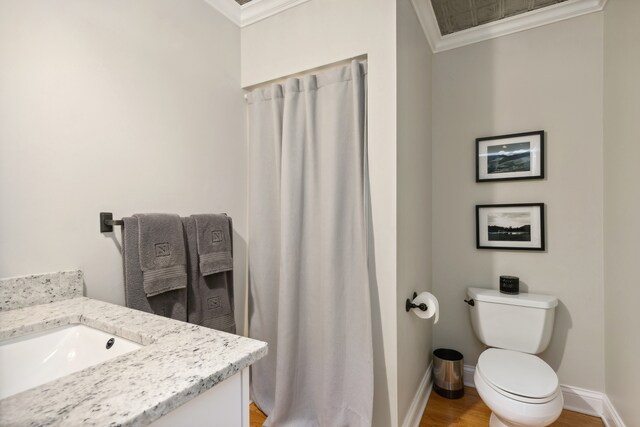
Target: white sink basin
<point>36,359</point>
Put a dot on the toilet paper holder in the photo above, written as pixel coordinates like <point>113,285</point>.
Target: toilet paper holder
<point>409,304</point>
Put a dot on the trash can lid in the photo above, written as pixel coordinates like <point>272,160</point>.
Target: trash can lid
<point>447,354</point>
<point>518,373</point>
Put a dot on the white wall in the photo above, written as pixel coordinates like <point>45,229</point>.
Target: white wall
<point>547,78</point>
<point>112,105</point>
<point>414,200</point>
<point>622,204</point>
<point>321,32</point>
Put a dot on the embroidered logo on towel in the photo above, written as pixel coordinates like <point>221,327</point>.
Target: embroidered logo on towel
<point>163,249</point>
<point>217,236</point>
<point>213,303</point>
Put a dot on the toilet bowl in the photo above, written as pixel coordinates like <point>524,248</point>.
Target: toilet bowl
<point>519,388</point>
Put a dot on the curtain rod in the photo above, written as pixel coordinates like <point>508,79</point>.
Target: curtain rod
<point>297,74</point>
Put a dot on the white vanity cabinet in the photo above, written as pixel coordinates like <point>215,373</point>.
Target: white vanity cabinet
<point>224,405</point>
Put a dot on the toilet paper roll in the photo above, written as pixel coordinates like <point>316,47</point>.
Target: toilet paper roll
<point>432,306</point>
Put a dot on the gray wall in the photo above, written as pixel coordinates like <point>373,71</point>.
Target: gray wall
<point>414,60</point>
<point>115,106</point>
<point>414,199</point>
<point>547,78</point>
<point>622,204</point>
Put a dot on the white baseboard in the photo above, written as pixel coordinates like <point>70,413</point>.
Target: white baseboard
<point>610,416</point>
<point>582,400</point>
<point>419,403</point>
<point>467,376</point>
<point>575,399</point>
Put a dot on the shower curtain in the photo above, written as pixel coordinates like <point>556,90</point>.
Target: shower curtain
<point>309,286</point>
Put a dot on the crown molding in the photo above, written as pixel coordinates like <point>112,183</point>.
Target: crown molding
<point>503,27</point>
<point>427,17</point>
<point>253,11</point>
<point>257,10</point>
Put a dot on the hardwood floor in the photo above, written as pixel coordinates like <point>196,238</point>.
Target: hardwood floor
<point>256,416</point>
<point>469,411</point>
<point>466,411</point>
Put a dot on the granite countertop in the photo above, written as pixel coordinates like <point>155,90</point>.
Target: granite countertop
<point>179,362</point>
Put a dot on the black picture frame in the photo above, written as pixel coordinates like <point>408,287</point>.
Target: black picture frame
<point>512,157</point>
<point>518,226</point>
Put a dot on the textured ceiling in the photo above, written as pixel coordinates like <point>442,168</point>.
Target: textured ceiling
<point>458,15</point>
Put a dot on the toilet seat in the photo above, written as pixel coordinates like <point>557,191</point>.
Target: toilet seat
<point>529,408</point>
<point>519,376</point>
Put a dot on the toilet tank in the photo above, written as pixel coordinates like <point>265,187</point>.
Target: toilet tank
<point>522,322</point>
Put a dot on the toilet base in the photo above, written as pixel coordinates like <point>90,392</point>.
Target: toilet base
<point>515,413</point>
<point>497,422</point>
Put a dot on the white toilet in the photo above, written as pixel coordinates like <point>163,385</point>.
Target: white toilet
<point>518,387</point>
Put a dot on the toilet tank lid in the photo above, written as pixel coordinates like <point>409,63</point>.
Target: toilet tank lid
<point>522,299</point>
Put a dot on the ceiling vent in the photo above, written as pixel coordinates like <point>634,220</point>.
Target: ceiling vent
<point>449,24</point>
<point>458,15</point>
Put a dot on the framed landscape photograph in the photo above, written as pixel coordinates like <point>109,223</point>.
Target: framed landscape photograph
<point>518,226</point>
<point>510,157</point>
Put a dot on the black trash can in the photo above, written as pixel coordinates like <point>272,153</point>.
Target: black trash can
<point>447,373</point>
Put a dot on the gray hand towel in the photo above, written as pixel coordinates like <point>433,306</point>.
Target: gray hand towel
<point>171,304</point>
<point>214,243</point>
<point>210,297</point>
<point>163,258</point>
